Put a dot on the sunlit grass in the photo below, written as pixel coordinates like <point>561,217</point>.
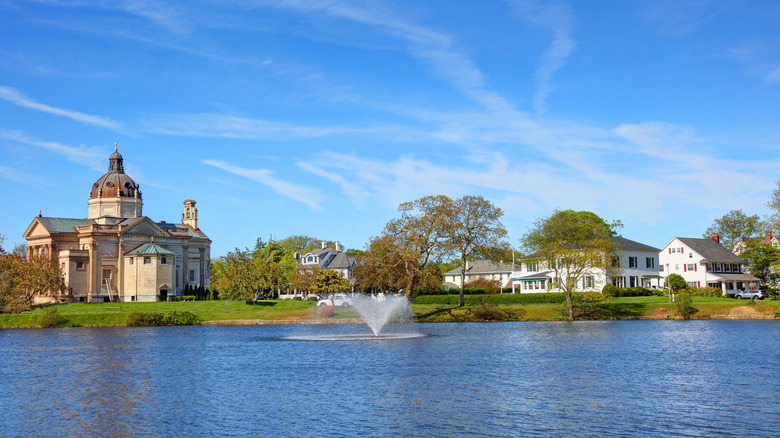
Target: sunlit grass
<point>81,314</point>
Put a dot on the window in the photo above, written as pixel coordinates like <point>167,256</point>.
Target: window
<point>692,283</point>
<point>676,267</point>
<point>734,268</point>
<point>632,281</point>
<point>615,261</point>
<point>727,267</point>
<point>660,268</point>
<point>650,262</point>
<point>690,255</point>
<point>309,259</point>
<point>131,260</point>
<point>531,267</point>
<point>147,260</point>
<point>691,267</point>
<point>163,260</point>
<point>632,262</point>
<point>588,281</point>
<point>80,266</point>
<point>192,275</point>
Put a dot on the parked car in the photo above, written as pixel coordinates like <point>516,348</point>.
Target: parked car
<point>340,300</point>
<point>748,294</point>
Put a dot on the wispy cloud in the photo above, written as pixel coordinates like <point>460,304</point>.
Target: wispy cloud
<point>774,75</point>
<point>558,17</point>
<point>92,157</point>
<point>15,175</point>
<point>302,194</point>
<point>427,44</point>
<point>19,99</point>
<point>226,126</point>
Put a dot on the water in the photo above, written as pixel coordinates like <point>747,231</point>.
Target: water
<point>622,378</point>
<point>376,312</point>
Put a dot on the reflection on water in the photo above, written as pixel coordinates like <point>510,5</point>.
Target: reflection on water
<point>621,378</point>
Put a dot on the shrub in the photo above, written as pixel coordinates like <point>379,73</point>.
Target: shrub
<point>683,304</point>
<point>490,286</point>
<point>610,290</point>
<point>313,298</point>
<point>51,319</point>
<point>487,312</point>
<point>705,292</point>
<point>181,317</point>
<point>326,311</point>
<point>184,298</point>
<point>141,319</point>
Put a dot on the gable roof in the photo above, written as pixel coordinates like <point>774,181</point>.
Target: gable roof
<point>623,244</point>
<point>710,250</point>
<point>58,225</point>
<point>485,267</point>
<point>150,249</point>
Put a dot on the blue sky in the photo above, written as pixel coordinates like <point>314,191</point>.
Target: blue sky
<point>320,117</point>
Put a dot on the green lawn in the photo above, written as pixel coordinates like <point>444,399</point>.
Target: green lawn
<point>81,314</point>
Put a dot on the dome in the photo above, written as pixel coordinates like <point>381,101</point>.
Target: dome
<point>115,181</point>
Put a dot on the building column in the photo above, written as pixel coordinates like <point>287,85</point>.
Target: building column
<point>184,267</point>
<point>202,265</point>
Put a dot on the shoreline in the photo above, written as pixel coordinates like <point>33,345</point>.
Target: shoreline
<point>240,322</point>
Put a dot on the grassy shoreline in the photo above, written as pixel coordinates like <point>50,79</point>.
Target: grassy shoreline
<point>301,312</point>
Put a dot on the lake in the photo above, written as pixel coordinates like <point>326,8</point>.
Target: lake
<point>615,378</point>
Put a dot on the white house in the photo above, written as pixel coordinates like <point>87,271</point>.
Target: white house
<point>487,269</point>
<point>705,262</point>
<point>329,258</point>
<point>636,264</point>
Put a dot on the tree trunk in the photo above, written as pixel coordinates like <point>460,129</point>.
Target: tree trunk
<point>569,306</point>
<point>462,280</point>
<point>410,287</point>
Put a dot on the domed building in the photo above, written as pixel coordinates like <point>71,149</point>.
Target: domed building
<point>117,253</point>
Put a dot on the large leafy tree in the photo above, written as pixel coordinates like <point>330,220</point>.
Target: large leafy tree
<point>419,236</point>
<point>774,203</point>
<point>572,244</point>
<point>247,275</point>
<point>476,224</point>
<point>733,227</point>
<point>763,261</point>
<point>21,279</point>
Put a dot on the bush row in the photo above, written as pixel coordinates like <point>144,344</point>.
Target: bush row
<point>184,298</point>
<point>614,291</point>
<point>466,291</point>
<point>472,300</point>
<point>180,317</point>
<point>714,292</point>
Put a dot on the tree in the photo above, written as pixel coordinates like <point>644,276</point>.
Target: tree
<point>733,227</point>
<point>675,282</point>
<point>246,275</point>
<point>328,282</point>
<point>476,224</point>
<point>572,244</point>
<point>22,279</point>
<point>774,203</point>
<point>763,261</point>
<point>418,236</point>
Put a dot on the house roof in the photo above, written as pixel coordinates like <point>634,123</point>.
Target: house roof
<point>710,250</point>
<point>329,258</point>
<point>536,276</point>
<point>150,249</point>
<point>62,225</point>
<point>624,244</point>
<point>485,267</point>
<point>732,277</point>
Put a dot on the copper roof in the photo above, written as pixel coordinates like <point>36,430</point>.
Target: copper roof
<point>115,180</point>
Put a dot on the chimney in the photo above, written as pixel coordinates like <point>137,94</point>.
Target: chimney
<point>767,238</point>
<point>716,238</point>
<point>338,246</point>
<point>324,244</point>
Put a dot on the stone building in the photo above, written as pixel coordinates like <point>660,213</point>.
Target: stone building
<point>119,254</point>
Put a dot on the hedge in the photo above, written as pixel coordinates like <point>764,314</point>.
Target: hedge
<point>472,300</point>
<point>181,317</point>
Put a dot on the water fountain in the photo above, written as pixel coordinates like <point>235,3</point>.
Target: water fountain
<point>377,313</point>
